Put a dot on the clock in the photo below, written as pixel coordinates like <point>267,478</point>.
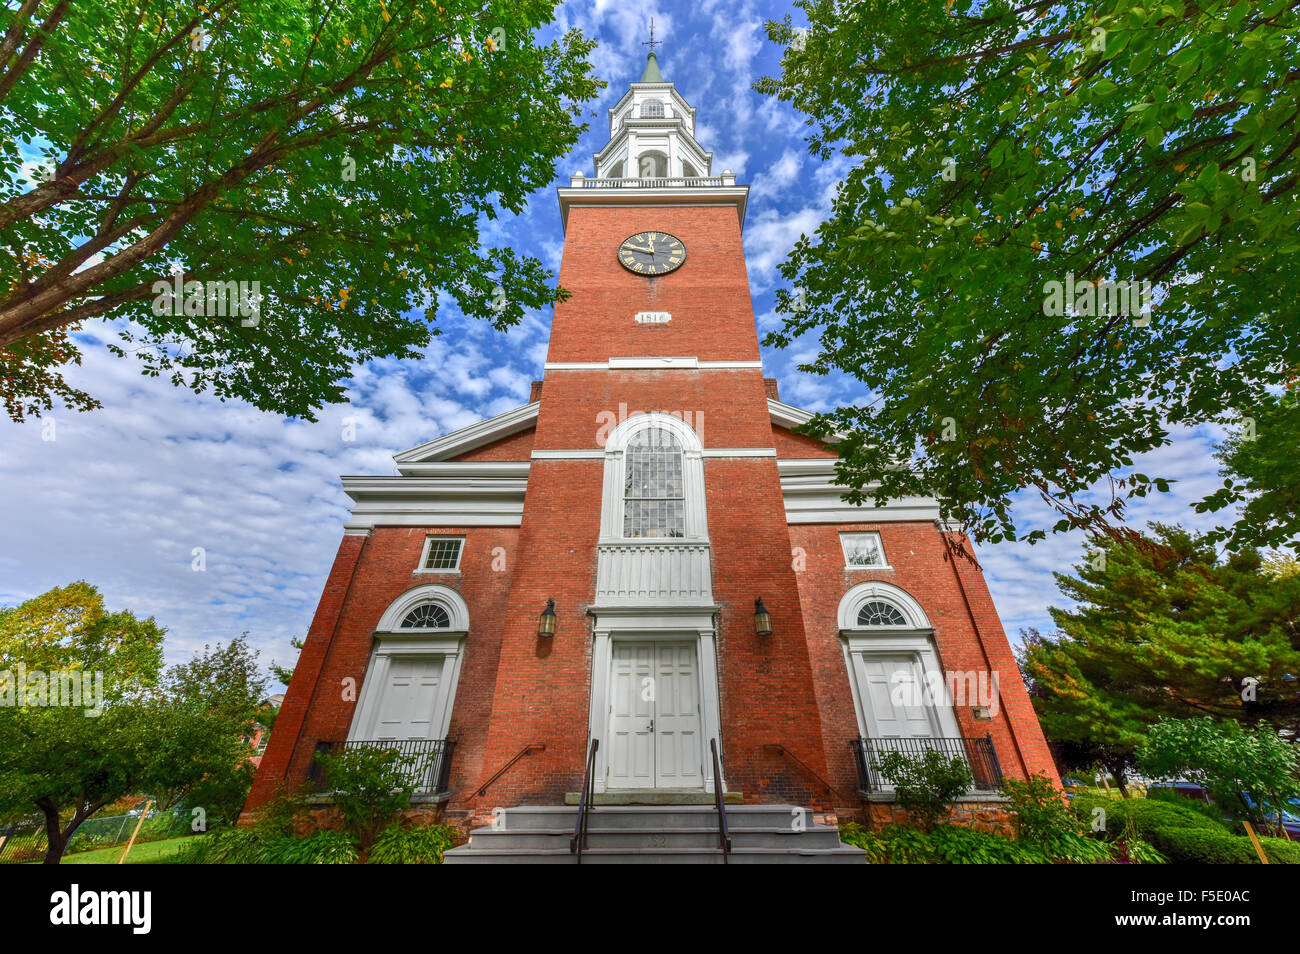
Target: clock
<point>652,253</point>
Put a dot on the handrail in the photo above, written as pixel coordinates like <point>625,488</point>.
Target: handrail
<point>526,750</point>
<point>782,749</point>
<point>724,836</point>
<point>579,840</point>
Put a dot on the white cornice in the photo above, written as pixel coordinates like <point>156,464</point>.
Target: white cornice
<point>653,363</point>
<point>479,494</point>
<point>470,438</point>
<point>737,196</point>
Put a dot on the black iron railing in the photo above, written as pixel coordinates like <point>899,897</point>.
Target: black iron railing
<point>578,843</point>
<point>978,753</point>
<point>428,761</point>
<point>720,802</point>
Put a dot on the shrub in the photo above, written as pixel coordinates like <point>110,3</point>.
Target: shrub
<point>321,848</point>
<point>253,846</point>
<point>926,785</point>
<point>400,845</point>
<point>959,845</point>
<point>1041,811</point>
<point>1208,847</point>
<point>370,788</point>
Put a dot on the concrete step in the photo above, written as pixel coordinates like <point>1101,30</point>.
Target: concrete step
<point>653,817</point>
<point>818,837</point>
<point>656,835</point>
<point>658,856</point>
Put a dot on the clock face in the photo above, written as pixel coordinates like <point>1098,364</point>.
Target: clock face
<point>652,253</point>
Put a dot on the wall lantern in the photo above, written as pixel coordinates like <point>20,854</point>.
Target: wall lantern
<point>762,618</point>
<point>546,622</point>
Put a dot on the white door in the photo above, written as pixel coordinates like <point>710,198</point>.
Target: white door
<point>895,699</point>
<point>654,717</point>
<point>411,698</point>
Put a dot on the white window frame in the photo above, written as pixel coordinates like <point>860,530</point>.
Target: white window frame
<point>392,641</point>
<point>846,535</point>
<point>428,545</point>
<point>915,638</point>
<point>611,520</point>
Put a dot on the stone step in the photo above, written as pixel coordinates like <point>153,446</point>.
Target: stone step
<point>654,797</point>
<point>658,856</point>
<point>653,817</point>
<point>817,837</point>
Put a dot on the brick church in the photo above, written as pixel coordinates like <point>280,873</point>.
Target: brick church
<point>580,601</point>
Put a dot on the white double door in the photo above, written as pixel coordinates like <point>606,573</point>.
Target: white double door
<point>896,702</point>
<point>654,738</point>
<point>411,702</point>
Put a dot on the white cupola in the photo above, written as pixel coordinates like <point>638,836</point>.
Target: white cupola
<point>652,135</point>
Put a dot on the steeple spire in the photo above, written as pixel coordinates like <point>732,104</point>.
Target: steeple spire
<point>652,74</point>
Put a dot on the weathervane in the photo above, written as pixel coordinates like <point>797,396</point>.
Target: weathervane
<point>652,42</point>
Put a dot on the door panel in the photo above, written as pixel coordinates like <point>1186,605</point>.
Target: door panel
<point>654,719</point>
<point>677,717</point>
<point>631,738</point>
<point>410,698</point>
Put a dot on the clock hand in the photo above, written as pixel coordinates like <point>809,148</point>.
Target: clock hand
<point>640,248</point>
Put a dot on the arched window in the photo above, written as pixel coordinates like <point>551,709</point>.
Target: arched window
<point>877,605</point>
<point>654,501</point>
<point>652,109</point>
<point>427,616</point>
<point>652,165</point>
<point>880,613</point>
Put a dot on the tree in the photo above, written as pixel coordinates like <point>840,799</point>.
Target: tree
<point>1228,761</point>
<point>327,164</point>
<point>1260,466</point>
<point>59,758</point>
<point>1018,171</point>
<point>285,673</point>
<point>177,735</point>
<point>1164,627</point>
<point>203,717</point>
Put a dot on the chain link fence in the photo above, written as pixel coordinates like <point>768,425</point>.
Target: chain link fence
<point>25,840</point>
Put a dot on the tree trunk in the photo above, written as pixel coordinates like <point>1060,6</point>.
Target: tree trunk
<point>55,842</point>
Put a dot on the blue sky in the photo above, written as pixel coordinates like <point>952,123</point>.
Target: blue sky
<point>122,497</point>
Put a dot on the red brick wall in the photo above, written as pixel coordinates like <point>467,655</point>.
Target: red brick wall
<point>790,445</point>
<point>386,570</point>
<point>915,551</point>
<point>708,297</point>
<point>515,447</point>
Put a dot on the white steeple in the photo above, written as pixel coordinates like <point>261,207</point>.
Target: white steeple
<point>652,134</point>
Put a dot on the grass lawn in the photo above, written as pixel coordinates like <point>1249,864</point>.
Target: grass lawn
<point>149,853</point>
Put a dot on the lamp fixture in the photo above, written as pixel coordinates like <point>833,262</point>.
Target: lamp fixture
<point>546,622</point>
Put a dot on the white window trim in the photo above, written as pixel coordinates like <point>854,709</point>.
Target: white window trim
<point>864,566</point>
<point>392,641</point>
<point>611,517</point>
<point>424,553</point>
<point>457,612</point>
<point>870,590</point>
<point>914,639</point>
<point>389,645</point>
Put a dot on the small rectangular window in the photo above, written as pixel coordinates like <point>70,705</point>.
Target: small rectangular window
<point>862,549</point>
<point>441,554</point>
